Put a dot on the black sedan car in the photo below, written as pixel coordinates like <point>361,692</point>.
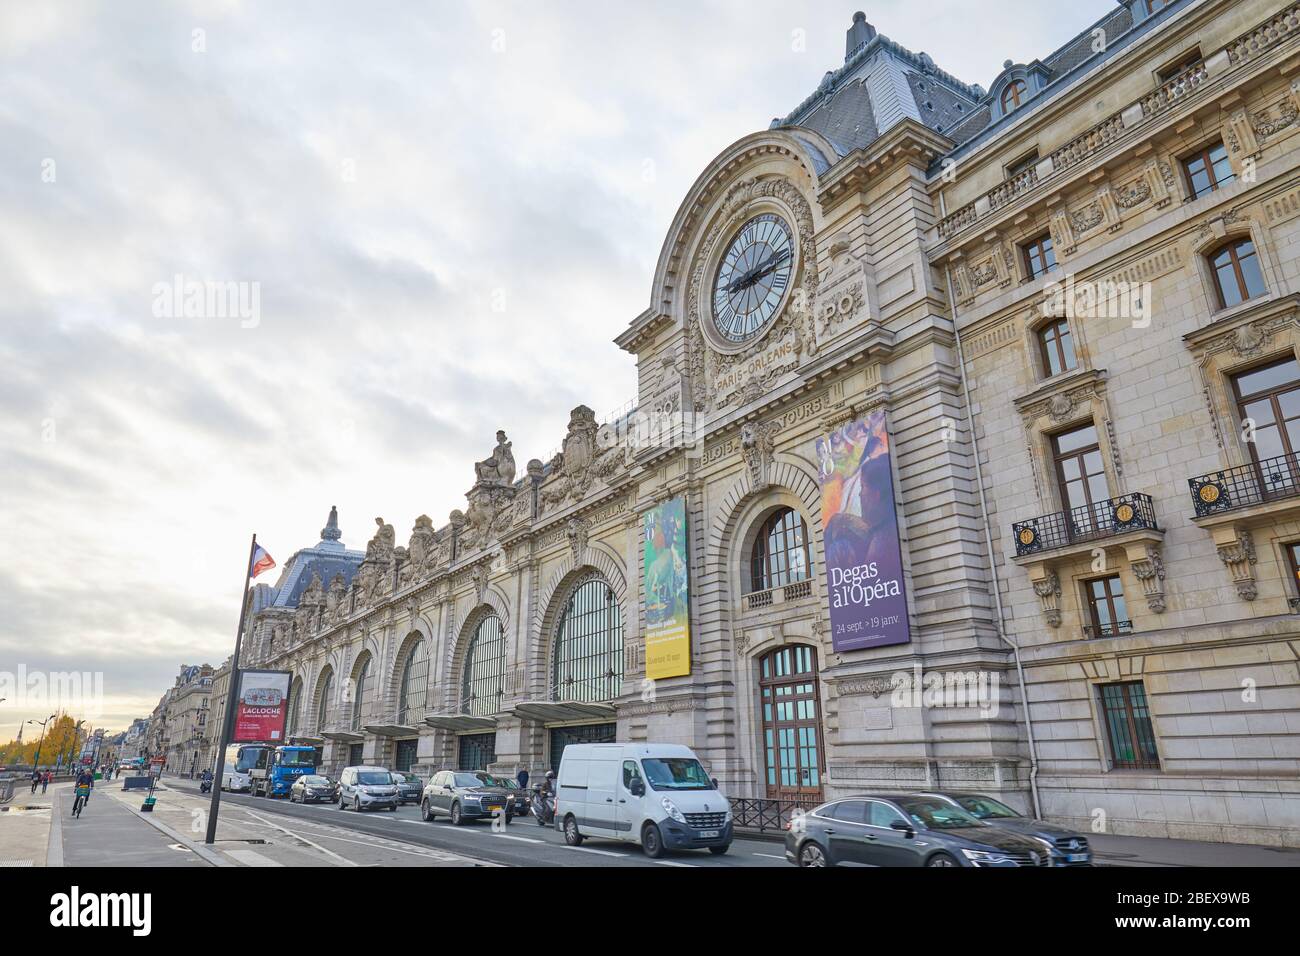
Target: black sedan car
<point>464,795</point>
<point>312,788</point>
<point>522,798</point>
<point>1067,847</point>
<point>911,830</point>
<point>409,787</point>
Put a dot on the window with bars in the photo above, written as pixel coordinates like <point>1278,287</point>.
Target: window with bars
<point>1040,255</point>
<point>1106,608</point>
<point>780,554</point>
<point>1129,733</point>
<point>1237,275</point>
<point>324,711</point>
<point>589,645</point>
<point>483,684</point>
<point>414,685</point>
<point>1056,347</point>
<point>295,707</point>
<point>1208,169</point>
<point>362,693</point>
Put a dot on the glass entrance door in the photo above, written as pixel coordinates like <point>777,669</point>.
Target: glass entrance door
<point>405,756</point>
<point>788,695</point>
<point>561,737</point>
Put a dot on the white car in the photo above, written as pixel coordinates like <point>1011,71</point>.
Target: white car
<point>657,795</point>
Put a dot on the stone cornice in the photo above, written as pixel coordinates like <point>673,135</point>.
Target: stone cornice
<point>907,142</point>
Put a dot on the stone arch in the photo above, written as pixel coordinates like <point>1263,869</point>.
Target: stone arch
<point>327,675</point>
<point>563,582</point>
<point>494,604</point>
<point>808,154</point>
<point>741,505</point>
<point>293,724</point>
<point>393,683</point>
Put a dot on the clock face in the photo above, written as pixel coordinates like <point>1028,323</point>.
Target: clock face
<point>753,277</point>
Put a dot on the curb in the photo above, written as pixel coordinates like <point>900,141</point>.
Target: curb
<point>211,857</point>
<point>54,845</point>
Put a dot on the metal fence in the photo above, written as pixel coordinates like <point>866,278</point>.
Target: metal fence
<point>1246,485</point>
<point>1101,519</point>
<point>763,814</point>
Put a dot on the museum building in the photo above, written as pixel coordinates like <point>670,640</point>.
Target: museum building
<point>965,456</point>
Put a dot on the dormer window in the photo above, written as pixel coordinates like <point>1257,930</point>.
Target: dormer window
<point>1014,95</point>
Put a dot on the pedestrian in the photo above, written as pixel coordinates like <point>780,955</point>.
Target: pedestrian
<point>36,778</point>
<point>523,779</point>
<point>45,782</point>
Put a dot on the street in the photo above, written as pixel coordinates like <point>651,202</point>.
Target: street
<point>525,843</point>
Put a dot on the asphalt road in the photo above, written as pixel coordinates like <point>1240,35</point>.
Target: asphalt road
<point>522,843</point>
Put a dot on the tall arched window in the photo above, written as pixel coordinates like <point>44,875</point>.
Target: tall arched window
<point>295,707</point>
<point>1013,96</point>
<point>589,645</point>
<point>485,664</point>
<point>362,692</point>
<point>324,708</point>
<point>781,555</point>
<point>415,681</point>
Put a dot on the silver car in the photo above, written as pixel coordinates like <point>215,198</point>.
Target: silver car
<point>367,788</point>
<point>1065,847</point>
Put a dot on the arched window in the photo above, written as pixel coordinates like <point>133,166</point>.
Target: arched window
<point>415,681</point>
<point>362,692</point>
<point>1237,275</point>
<point>780,554</point>
<point>324,710</point>
<point>485,665</point>
<point>295,708</point>
<point>1013,96</point>
<point>589,645</point>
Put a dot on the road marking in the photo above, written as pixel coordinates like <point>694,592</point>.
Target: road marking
<point>673,863</point>
<point>344,860</point>
<point>251,858</point>
<point>506,836</point>
<point>587,849</point>
<point>770,856</point>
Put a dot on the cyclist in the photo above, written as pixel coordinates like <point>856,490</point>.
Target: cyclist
<point>85,781</point>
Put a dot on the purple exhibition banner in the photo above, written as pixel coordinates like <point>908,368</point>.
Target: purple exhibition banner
<point>864,560</point>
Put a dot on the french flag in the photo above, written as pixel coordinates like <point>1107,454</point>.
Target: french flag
<point>262,561</point>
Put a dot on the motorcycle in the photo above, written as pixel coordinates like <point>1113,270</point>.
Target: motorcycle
<point>543,807</point>
<point>205,785</point>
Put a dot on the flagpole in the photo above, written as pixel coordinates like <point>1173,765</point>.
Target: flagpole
<point>232,694</point>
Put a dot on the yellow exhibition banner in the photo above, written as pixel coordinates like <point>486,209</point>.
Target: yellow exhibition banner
<point>667,591</point>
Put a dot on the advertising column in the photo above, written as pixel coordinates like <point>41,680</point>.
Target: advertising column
<point>261,707</point>
<point>864,560</point>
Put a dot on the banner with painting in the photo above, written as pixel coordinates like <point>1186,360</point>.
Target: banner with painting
<point>864,559</point>
<point>667,591</point>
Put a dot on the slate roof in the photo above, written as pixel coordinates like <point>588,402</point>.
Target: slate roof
<point>327,558</point>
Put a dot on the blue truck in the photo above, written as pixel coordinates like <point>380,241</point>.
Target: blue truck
<point>273,770</point>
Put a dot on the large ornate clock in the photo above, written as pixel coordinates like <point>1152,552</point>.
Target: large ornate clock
<point>753,278</point>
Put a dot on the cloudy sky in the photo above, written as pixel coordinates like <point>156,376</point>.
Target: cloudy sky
<point>449,209</point>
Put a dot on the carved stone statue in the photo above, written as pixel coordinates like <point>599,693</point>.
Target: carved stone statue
<point>421,544</point>
<point>500,468</point>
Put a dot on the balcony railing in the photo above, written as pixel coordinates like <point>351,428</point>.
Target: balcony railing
<point>1096,631</point>
<point>1101,519</point>
<point>1246,485</point>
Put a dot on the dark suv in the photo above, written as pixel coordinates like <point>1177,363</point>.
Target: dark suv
<point>1067,847</point>
<point>911,830</point>
<point>466,795</point>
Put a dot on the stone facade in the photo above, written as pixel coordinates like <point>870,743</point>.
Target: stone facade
<point>910,197</point>
<point>185,716</point>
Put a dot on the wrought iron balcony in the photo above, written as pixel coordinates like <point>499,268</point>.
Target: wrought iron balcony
<point>1114,629</point>
<point>1246,485</point>
<point>1101,519</point>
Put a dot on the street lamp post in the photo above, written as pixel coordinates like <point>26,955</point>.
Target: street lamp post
<point>37,762</point>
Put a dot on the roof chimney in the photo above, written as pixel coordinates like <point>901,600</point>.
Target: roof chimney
<point>859,35</point>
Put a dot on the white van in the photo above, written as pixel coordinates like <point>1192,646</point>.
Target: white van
<point>658,795</point>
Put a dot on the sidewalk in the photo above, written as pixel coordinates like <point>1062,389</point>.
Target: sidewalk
<point>25,827</point>
<point>1158,851</point>
<point>111,831</point>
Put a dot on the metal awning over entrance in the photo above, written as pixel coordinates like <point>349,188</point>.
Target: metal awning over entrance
<point>461,723</point>
<point>392,730</point>
<point>559,711</point>
<point>307,741</point>
<point>344,736</point>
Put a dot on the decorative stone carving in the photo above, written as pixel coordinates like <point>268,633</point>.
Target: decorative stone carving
<point>478,575</point>
<point>1242,134</point>
<point>1089,217</point>
<point>1060,407</point>
<point>1238,556</point>
<point>1249,340</point>
<point>576,531</point>
<point>420,548</point>
<point>581,463</point>
<point>1048,589</point>
<point>758,447</point>
<point>1150,570</point>
<point>336,599</point>
<point>499,469</point>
